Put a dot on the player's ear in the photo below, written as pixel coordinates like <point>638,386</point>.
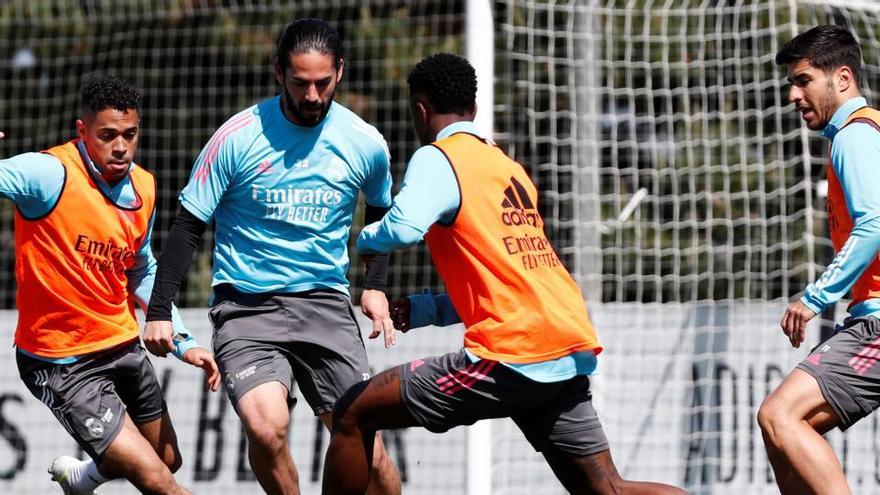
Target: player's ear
<point>279,73</point>
<point>81,128</point>
<point>339,70</point>
<point>845,77</point>
<point>422,112</point>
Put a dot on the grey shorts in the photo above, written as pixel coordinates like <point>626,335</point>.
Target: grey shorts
<point>91,396</point>
<point>442,392</point>
<point>845,365</point>
<point>311,339</point>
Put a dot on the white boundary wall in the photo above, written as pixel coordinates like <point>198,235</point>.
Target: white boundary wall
<point>677,393</point>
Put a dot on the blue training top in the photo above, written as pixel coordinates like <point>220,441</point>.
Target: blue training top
<point>283,196</point>
<point>854,151</point>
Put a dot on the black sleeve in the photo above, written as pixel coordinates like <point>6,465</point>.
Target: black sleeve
<point>174,262</point>
<point>376,276</point>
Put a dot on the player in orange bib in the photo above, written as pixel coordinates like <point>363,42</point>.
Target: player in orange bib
<point>529,347</point>
<point>838,383</point>
<point>83,217</point>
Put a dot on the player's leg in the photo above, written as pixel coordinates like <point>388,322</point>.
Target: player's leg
<point>437,393</point>
<point>84,398</point>
<point>364,410</point>
<point>248,333</point>
<point>131,456</point>
<point>836,385</point>
<point>597,474</point>
<point>265,415</point>
<point>791,419</point>
<point>138,387</point>
<point>160,434</point>
<point>329,357</point>
<point>145,449</point>
<point>384,477</point>
<point>566,429</point>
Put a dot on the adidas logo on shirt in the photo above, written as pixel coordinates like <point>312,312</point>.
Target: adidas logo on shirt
<point>518,208</point>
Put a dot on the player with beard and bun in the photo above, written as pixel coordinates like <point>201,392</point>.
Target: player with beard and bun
<point>281,181</point>
<point>529,347</point>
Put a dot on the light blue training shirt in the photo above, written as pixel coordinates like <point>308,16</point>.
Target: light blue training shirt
<point>34,181</point>
<point>854,153</point>
<point>282,196</point>
<point>429,194</point>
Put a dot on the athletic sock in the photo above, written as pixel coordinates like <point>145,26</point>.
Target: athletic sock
<point>86,476</point>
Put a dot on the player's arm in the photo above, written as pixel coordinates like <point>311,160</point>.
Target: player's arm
<point>209,179</point>
<point>33,181</point>
<point>174,263</point>
<point>141,285</point>
<point>429,194</point>
<point>377,198</point>
<point>853,154</point>
<point>422,310</point>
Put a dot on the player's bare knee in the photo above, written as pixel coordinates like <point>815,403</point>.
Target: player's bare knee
<point>345,421</point>
<point>266,437</point>
<point>771,417</point>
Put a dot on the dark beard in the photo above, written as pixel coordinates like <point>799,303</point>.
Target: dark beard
<point>303,119</point>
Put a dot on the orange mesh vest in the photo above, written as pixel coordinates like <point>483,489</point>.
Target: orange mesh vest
<point>515,297</point>
<point>70,265</point>
<point>840,224</point>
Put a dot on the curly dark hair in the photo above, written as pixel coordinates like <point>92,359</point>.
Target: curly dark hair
<point>308,35</point>
<point>827,47</point>
<point>447,81</point>
<point>103,92</point>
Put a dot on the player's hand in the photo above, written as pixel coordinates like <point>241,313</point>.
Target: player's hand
<point>204,359</point>
<point>2,135</point>
<point>400,311</point>
<point>794,322</point>
<point>374,304</point>
<point>158,337</point>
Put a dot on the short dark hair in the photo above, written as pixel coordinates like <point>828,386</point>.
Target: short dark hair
<point>827,47</point>
<point>105,91</point>
<point>448,81</point>
<point>308,35</point>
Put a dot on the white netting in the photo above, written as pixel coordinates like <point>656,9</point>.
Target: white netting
<point>676,181</point>
<point>681,189</point>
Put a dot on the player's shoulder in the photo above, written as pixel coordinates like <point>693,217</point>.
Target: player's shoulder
<point>858,134</point>
<point>236,133</point>
<point>362,134</point>
<point>242,125</point>
<point>34,168</point>
<point>428,152</point>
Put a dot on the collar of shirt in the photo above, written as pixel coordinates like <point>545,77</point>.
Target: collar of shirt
<point>460,126</point>
<point>839,118</point>
<point>93,169</point>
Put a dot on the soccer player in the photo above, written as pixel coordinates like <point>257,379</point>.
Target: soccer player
<point>281,180</point>
<point>838,383</point>
<point>83,218</point>
<point>529,345</point>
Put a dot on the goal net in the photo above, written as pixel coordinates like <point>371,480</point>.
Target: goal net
<point>677,184</point>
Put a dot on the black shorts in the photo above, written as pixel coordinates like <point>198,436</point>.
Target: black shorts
<point>442,392</point>
<point>845,365</point>
<point>309,338</point>
<point>91,396</point>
